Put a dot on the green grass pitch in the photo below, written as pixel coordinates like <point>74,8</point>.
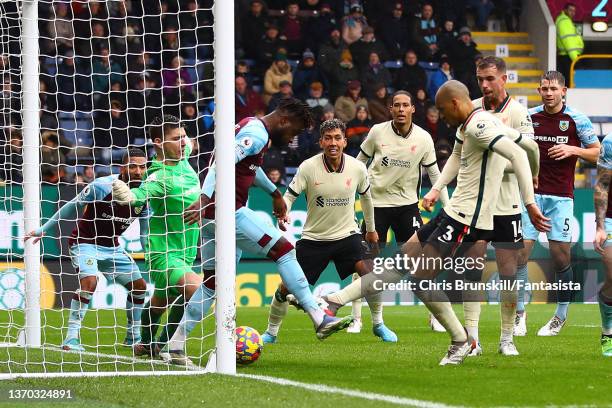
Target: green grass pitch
<point>567,370</point>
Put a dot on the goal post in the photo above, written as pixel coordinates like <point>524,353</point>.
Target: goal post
<point>52,68</point>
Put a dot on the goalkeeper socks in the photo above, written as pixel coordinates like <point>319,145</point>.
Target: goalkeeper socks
<point>605,308</point>
<point>278,311</point>
<point>295,281</point>
<point>133,310</point>
<point>174,317</point>
<point>357,303</point>
<point>522,278</point>
<point>508,300</point>
<point>376,307</point>
<point>78,308</point>
<point>564,296</point>
<point>149,323</point>
<point>196,309</point>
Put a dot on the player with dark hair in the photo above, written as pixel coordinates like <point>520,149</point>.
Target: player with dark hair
<point>330,181</point>
<point>563,135</point>
<point>603,240</point>
<point>94,246</point>
<point>253,234</point>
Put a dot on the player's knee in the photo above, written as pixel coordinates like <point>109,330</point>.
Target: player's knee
<point>88,284</point>
<point>362,268</point>
<point>139,286</point>
<point>281,248</point>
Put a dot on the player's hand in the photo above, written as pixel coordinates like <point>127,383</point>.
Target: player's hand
<point>539,221</point>
<point>283,221</point>
<point>195,212</point>
<point>122,193</point>
<point>372,239</point>
<point>430,199</point>
<point>35,235</point>
<point>561,151</point>
<point>535,182</point>
<point>279,206</point>
<point>600,240</point>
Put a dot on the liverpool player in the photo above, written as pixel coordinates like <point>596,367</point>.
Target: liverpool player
<point>563,135</point>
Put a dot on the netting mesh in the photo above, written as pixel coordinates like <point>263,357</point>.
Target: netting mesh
<point>107,70</point>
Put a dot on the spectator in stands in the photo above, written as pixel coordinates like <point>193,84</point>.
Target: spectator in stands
<point>397,29</point>
<point>293,29</point>
<point>194,125</point>
<point>243,70</point>
<point>104,72</point>
<point>353,24</point>
<point>511,11</point>
<point>181,93</point>
<point>268,48</point>
<point>284,92</point>
<point>253,26</point>
<point>50,151</point>
<point>48,101</point>
<point>462,59</point>
<point>438,129</point>
<point>60,30</point>
<point>357,129</point>
<point>319,27</point>
<point>421,103</point>
<point>344,72</point>
<point>569,42</point>
<point>11,159</point>
<point>374,74</point>
<point>379,104</point>
<point>171,75</point>
<point>439,77</point>
<point>427,34</point>
<point>329,113</point>
<point>279,71</point>
<point>483,9</point>
<point>331,51</point>
<point>411,76</point>
<point>276,176</point>
<point>346,105</point>
<point>447,37</point>
<point>316,97</point>
<point>88,174</point>
<point>111,130</point>
<point>361,49</point>
<point>248,102</point>
<point>305,74</point>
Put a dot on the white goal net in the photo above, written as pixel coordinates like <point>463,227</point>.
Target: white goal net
<point>94,92</point>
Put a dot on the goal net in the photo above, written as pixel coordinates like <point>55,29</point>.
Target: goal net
<point>93,92</point>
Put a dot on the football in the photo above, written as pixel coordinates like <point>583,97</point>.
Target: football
<point>248,345</point>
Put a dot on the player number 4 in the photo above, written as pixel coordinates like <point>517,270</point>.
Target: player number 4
<point>415,222</point>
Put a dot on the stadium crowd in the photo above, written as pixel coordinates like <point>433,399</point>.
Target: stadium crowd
<point>108,68</point>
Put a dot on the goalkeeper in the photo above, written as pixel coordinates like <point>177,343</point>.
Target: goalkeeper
<point>170,187</point>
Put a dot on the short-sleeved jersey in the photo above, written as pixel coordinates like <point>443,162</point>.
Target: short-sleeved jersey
<point>330,196</point>
<point>169,191</point>
<point>605,161</point>
<point>103,220</point>
<point>516,116</point>
<point>481,171</point>
<point>567,126</point>
<point>396,160</point>
<point>250,147</point>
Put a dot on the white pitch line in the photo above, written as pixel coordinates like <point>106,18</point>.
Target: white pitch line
<point>392,399</point>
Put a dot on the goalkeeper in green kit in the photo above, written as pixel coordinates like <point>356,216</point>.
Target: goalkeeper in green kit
<point>170,186</point>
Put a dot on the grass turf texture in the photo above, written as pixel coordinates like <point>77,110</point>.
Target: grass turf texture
<point>563,370</point>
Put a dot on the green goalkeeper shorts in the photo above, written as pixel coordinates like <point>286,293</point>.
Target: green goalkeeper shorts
<point>165,271</point>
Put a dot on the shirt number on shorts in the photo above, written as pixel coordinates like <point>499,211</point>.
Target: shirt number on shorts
<point>517,228</point>
<point>416,223</point>
<point>566,225</point>
<point>448,235</point>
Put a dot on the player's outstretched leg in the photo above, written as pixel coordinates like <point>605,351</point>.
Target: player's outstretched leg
<point>78,308</point>
<point>133,309</point>
<point>356,306</point>
<point>278,311</point>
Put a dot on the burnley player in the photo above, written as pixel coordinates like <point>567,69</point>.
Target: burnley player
<point>468,215</point>
<point>397,151</point>
<point>603,240</point>
<point>253,234</point>
<point>94,246</point>
<point>563,135</point>
<point>330,181</point>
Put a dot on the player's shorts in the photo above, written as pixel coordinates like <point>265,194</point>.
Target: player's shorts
<point>113,262</point>
<point>560,210</point>
<point>404,221</point>
<point>314,256</point>
<point>447,234</point>
<point>254,234</point>
<point>507,232</point>
<point>608,224</point>
<point>166,271</point>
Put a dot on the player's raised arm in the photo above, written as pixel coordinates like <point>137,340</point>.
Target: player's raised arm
<point>153,187</point>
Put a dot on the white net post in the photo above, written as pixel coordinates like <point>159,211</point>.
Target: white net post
<point>31,175</point>
<point>225,223</point>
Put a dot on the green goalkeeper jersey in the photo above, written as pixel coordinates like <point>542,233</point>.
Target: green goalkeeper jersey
<point>169,191</point>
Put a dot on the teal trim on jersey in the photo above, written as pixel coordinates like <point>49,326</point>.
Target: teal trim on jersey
<point>483,172</point>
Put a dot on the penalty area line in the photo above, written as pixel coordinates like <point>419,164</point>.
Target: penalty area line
<point>392,399</point>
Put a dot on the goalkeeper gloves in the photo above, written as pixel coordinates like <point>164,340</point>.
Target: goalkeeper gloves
<point>122,193</point>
